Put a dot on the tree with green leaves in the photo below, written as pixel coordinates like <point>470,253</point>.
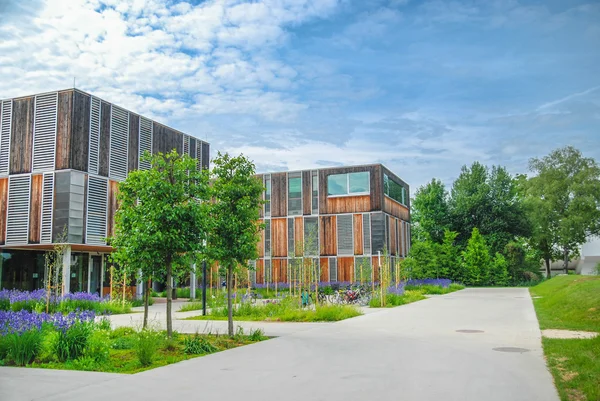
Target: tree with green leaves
<point>234,217</point>
<point>421,261</point>
<point>564,199</point>
<point>161,221</point>
<point>498,274</point>
<point>476,260</point>
<point>430,215</point>
<point>448,257</point>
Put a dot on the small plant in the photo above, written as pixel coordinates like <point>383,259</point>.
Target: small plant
<point>195,345</point>
<point>98,346</point>
<point>146,346</point>
<point>124,343</point>
<point>24,347</point>
<point>71,343</point>
<point>104,324</point>
<point>122,332</point>
<point>170,344</point>
<point>256,335</point>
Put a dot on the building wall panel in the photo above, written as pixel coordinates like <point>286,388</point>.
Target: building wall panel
<point>3,206</point>
<point>260,271</point>
<point>279,194</point>
<point>306,193</point>
<point>80,140</point>
<point>261,243</point>
<point>21,139</point>
<point>165,139</point>
<point>327,235</point>
<point>358,234</point>
<point>119,143</point>
<point>392,235</point>
<point>5,130</point>
<point>64,129</point>
<point>112,207</point>
<point>324,269</point>
<point>331,205</point>
<point>44,132</point>
<point>103,160</point>
<point>345,267</point>
<point>299,235</point>
<point>396,209</point>
<point>35,208</point>
<point>349,204</point>
<point>134,141</point>
<point>279,238</point>
<point>205,155</point>
<point>17,214</point>
<point>280,273</point>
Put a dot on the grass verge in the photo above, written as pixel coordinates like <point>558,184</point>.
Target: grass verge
<point>571,303</point>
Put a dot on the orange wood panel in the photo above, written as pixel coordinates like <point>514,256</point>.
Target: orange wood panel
<point>358,234</point>
<point>260,271</point>
<point>348,204</point>
<point>298,235</point>
<point>395,209</point>
<point>375,263</point>
<point>35,208</point>
<point>3,206</point>
<point>324,269</point>
<point>279,195</point>
<point>279,270</point>
<point>393,236</point>
<point>113,190</point>
<point>279,237</point>
<point>328,235</point>
<point>345,268</point>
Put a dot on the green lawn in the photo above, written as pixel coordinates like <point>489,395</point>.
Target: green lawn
<point>572,303</point>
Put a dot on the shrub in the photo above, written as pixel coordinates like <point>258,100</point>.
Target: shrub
<point>257,335</point>
<point>146,345</point>
<point>71,343</point>
<point>122,332</point>
<point>97,347</point>
<point>196,345</point>
<point>124,343</point>
<point>24,347</point>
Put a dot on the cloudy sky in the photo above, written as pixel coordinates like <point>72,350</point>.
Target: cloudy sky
<point>422,86</point>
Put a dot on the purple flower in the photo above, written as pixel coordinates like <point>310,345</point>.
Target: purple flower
<point>22,321</point>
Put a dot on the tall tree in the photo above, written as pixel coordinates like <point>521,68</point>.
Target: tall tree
<point>161,221</point>
<point>564,196</point>
<point>476,260</point>
<point>234,215</point>
<point>430,214</point>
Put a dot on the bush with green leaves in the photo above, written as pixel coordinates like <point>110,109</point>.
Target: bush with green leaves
<point>476,260</point>
<point>499,271</point>
<point>196,345</point>
<point>71,343</point>
<point>257,335</point>
<point>148,342</point>
<point>98,346</point>
<point>23,348</point>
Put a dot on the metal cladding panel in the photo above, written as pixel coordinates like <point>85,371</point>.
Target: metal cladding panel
<point>205,155</point>
<point>5,127</point>
<point>44,132</point>
<point>97,205</point>
<point>186,145</point>
<point>119,140</point>
<point>95,118</point>
<point>367,234</point>
<point>333,271</point>
<point>47,208</point>
<point>146,132</point>
<point>377,232</point>
<point>17,216</point>
<point>344,234</point>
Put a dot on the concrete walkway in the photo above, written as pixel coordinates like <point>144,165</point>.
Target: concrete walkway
<point>412,352</point>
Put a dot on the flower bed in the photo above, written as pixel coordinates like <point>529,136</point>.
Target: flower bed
<point>16,300</point>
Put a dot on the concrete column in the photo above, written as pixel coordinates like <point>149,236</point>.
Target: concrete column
<point>66,273</point>
<point>193,282</point>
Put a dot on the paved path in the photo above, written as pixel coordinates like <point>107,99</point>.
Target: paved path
<point>407,353</point>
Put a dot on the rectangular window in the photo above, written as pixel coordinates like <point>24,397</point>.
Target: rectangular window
<point>267,195</point>
<point>333,271</point>
<point>348,184</point>
<point>315,192</point>
<point>344,233</point>
<point>294,194</point>
<point>394,190</point>
<point>367,233</point>
<point>268,271</point>
<point>267,237</point>
<point>311,236</point>
<point>291,242</point>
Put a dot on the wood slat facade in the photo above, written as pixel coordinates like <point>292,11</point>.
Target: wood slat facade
<point>35,208</point>
<point>3,207</point>
<point>21,139</point>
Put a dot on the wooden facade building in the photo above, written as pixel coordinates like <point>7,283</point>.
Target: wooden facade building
<point>62,155</point>
<point>343,217</point>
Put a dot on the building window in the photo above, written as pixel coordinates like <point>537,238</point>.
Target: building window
<point>291,242</point>
<point>348,184</point>
<point>394,190</point>
<point>315,192</point>
<point>294,194</point>
<point>267,237</point>
<point>333,271</point>
<point>267,195</point>
<point>311,236</point>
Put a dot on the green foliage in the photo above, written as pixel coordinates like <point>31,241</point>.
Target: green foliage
<point>197,345</point>
<point>448,257</point>
<point>147,344</point>
<point>476,260</point>
<point>71,343</point>
<point>23,348</point>
<point>257,335</point>
<point>499,271</point>
<point>435,289</point>
<point>421,261</point>
<point>430,212</point>
<point>98,346</point>
<point>392,300</point>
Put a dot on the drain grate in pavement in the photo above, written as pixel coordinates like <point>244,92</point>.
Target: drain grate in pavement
<point>511,349</point>
<point>469,331</point>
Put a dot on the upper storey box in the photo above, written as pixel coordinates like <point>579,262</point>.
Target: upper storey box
<point>72,129</point>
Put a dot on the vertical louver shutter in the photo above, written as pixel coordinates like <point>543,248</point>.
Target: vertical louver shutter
<point>333,272</point>
<point>377,232</point>
<point>96,210</point>
<point>95,118</point>
<point>5,127</point>
<point>186,145</point>
<point>47,208</point>
<point>17,216</point>
<point>146,132</point>
<point>44,132</point>
<point>267,237</point>
<point>344,233</point>
<point>291,242</point>
<point>199,155</point>
<point>367,233</point>
<point>119,141</point>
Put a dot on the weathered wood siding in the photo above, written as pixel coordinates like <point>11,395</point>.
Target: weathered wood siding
<point>3,206</point>
<point>261,243</point>
<point>279,270</point>
<point>350,204</point>
<point>358,234</point>
<point>21,138</point>
<point>298,235</point>
<point>113,189</point>
<point>35,208</point>
<point>165,139</point>
<point>205,155</point>
<point>279,237</point>
<point>103,159</point>
<point>345,267</point>
<point>306,193</point>
<point>80,135</point>
<point>64,129</point>
<point>396,209</point>
<point>279,195</point>
<point>392,236</point>
<point>375,264</point>
<point>324,269</point>
<point>134,142</point>
<point>328,235</point>
<point>260,271</point>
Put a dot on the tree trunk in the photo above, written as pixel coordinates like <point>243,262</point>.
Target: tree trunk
<point>548,271</point>
<point>169,267</point>
<point>229,301</point>
<point>566,260</point>
<point>146,303</point>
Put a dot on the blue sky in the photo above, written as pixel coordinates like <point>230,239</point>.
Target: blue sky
<point>421,86</point>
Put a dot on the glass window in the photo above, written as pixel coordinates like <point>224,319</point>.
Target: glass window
<point>337,184</point>
<point>294,194</point>
<point>394,190</point>
<point>348,184</point>
<point>267,195</point>
<point>359,182</point>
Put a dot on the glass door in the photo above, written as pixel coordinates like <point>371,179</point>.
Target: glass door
<point>95,274</point>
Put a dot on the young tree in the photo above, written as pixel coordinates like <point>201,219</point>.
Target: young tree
<point>421,262</point>
<point>430,214</point>
<point>564,197</point>
<point>476,260</point>
<point>448,257</point>
<point>234,214</point>
<point>499,271</point>
<point>161,221</point>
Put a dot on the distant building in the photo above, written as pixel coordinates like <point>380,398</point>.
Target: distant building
<point>340,216</point>
<point>590,256</point>
<point>61,157</point>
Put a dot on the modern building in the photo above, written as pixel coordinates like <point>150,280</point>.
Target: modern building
<point>343,217</point>
<point>62,155</point>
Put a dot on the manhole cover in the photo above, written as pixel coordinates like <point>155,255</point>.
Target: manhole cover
<point>511,349</point>
<point>469,331</point>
